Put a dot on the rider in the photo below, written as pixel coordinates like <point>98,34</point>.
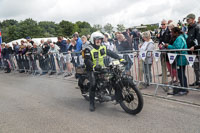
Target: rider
<point>94,55</point>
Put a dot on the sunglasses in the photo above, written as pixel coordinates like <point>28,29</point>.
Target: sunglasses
<point>162,24</point>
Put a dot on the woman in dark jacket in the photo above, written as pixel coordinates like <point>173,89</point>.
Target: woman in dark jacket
<point>5,54</point>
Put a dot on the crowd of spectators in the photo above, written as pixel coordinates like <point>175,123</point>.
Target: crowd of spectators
<point>63,56</point>
<point>173,36</point>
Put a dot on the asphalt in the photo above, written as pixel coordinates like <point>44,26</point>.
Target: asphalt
<point>33,104</point>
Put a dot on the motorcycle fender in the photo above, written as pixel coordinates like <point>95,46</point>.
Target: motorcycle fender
<point>127,80</point>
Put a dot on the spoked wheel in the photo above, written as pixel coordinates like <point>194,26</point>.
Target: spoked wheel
<point>132,99</point>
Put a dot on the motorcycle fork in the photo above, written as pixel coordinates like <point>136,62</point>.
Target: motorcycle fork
<point>118,90</point>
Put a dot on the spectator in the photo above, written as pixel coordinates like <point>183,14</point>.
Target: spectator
<point>24,63</point>
<point>179,43</point>
<point>49,41</point>
<point>78,42</point>
<point>72,49</point>
<point>31,57</point>
<point>128,37</point>
<point>84,41</point>
<point>41,42</point>
<point>62,44</point>
<point>18,53</point>
<point>184,28</point>
<point>136,37</point>
<point>109,46</point>
<point>45,50</point>
<point>192,40</point>
<point>148,45</point>
<point>22,48</point>
<point>37,51</point>
<point>67,58</point>
<point>77,49</point>
<point>164,37</point>
<point>15,48</point>
<point>29,40</point>
<point>116,34</point>
<point>63,50</point>
<point>53,51</point>
<point>5,53</point>
<point>122,45</point>
<point>12,60</point>
<point>172,67</point>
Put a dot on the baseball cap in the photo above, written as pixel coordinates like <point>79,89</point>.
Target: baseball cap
<point>190,16</point>
<point>28,37</point>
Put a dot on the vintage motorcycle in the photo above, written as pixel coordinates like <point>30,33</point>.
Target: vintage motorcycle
<point>107,81</point>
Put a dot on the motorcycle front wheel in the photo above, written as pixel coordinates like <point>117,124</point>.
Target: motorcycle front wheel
<point>132,102</point>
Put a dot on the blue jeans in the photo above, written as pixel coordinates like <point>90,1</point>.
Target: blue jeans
<point>147,73</point>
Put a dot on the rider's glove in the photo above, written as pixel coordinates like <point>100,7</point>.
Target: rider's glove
<point>97,68</point>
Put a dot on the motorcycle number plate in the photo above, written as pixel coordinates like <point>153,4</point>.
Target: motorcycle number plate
<point>116,62</point>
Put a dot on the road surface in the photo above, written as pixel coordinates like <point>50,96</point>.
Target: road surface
<point>49,105</point>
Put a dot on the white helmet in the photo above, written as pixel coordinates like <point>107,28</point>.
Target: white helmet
<point>96,35</point>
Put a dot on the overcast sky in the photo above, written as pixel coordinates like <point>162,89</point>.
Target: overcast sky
<point>127,12</point>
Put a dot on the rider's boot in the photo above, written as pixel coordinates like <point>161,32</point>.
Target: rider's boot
<point>92,107</point>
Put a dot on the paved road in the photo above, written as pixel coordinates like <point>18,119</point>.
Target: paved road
<point>48,105</point>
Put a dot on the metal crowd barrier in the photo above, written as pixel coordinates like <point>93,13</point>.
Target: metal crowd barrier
<point>142,73</point>
<point>163,68</point>
<point>54,63</point>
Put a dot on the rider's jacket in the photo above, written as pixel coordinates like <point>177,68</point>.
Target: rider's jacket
<point>94,55</point>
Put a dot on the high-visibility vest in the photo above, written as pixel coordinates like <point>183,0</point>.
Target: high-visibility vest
<point>98,55</point>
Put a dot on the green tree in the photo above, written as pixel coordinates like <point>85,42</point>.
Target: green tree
<point>1,25</point>
<point>85,31</point>
<point>30,28</point>
<point>9,22</point>
<point>67,28</point>
<point>12,33</point>
<point>49,28</point>
<point>4,32</point>
<point>108,28</point>
<point>120,27</point>
<point>97,27</point>
<point>7,27</point>
<point>84,28</point>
